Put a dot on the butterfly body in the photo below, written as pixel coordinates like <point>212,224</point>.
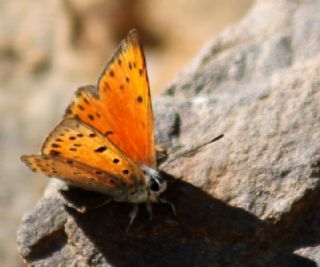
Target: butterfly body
<point>105,142</point>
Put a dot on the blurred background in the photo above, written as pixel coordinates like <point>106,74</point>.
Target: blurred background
<point>49,48</point>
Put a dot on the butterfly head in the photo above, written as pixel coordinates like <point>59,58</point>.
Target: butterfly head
<point>156,184</point>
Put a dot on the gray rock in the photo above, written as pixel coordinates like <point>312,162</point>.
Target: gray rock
<point>250,199</point>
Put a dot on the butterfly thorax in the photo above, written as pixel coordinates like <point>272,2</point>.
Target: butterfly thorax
<point>154,186</point>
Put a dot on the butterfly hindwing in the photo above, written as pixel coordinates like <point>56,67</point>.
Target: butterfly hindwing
<point>120,107</point>
<point>75,140</point>
<point>75,173</point>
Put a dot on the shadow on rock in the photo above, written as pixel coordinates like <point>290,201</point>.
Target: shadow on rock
<point>205,232</point>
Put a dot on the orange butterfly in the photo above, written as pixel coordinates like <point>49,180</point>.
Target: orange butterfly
<point>105,142</point>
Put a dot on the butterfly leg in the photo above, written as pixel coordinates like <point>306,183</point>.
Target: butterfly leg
<point>85,209</point>
<point>81,209</point>
<point>132,216</point>
<point>161,154</point>
<point>100,205</point>
<point>149,209</point>
<point>167,202</point>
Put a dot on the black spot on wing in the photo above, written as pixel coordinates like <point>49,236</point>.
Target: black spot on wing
<point>101,149</point>
<point>115,160</point>
<point>55,145</point>
<point>125,171</point>
<point>108,133</point>
<point>54,152</point>
<point>86,101</point>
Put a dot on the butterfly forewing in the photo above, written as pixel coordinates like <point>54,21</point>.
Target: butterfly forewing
<point>120,107</point>
<point>75,140</point>
<point>76,173</point>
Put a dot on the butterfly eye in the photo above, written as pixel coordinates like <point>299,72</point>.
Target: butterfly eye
<point>154,186</point>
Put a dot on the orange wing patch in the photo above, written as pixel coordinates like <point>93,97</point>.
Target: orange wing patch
<point>75,140</point>
<point>121,107</point>
<point>77,174</point>
<point>74,172</point>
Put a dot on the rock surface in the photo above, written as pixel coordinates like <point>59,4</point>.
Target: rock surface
<point>250,199</point>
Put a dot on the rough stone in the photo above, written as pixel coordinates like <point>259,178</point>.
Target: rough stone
<point>250,199</point>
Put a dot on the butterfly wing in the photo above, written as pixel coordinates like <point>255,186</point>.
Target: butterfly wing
<point>120,107</point>
<point>75,140</point>
<point>76,173</point>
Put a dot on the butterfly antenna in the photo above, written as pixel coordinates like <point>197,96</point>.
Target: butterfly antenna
<point>193,150</point>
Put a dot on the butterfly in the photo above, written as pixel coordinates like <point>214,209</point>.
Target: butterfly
<point>105,142</point>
